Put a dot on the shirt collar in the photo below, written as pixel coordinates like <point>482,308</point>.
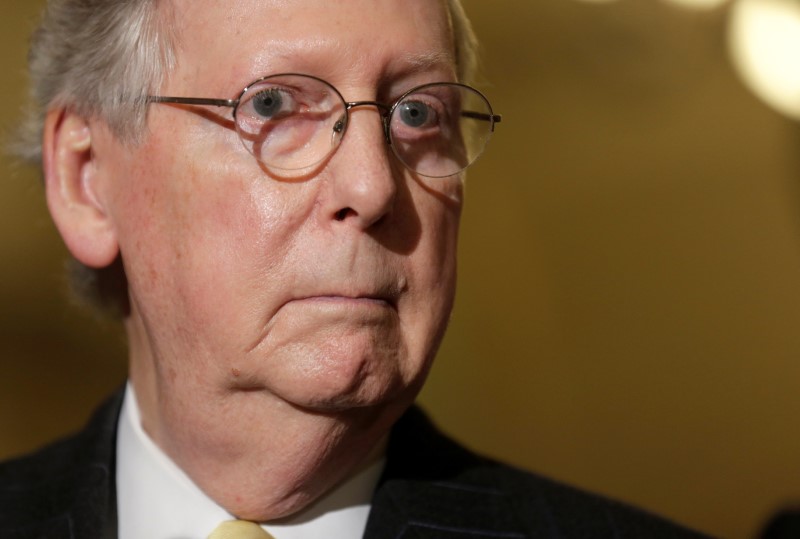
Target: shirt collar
<point>157,500</point>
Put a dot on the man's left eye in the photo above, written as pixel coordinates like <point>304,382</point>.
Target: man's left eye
<point>416,114</point>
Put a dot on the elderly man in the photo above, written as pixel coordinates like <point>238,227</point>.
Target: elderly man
<point>268,192</point>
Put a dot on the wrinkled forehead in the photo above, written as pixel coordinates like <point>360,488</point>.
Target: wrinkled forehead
<point>245,39</point>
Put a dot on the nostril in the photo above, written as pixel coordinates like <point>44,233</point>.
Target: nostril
<point>343,213</point>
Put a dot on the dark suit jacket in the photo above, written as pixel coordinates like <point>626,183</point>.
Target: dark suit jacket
<point>432,488</point>
<point>784,525</point>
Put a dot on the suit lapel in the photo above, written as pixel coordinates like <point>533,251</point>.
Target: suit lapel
<point>416,510</point>
<point>431,489</point>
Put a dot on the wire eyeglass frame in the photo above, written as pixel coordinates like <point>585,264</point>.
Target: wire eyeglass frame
<point>468,141</point>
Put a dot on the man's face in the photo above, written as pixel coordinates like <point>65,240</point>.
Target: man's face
<point>249,291</point>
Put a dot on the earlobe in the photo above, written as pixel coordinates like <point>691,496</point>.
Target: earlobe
<point>71,178</point>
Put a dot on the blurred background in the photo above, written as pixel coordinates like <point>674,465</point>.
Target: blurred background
<point>630,260</point>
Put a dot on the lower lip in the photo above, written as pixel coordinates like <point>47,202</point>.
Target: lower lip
<point>344,300</point>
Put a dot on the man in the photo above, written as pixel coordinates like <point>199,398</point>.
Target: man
<point>269,194</point>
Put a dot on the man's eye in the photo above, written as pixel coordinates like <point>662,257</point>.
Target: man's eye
<point>416,114</point>
<point>269,103</point>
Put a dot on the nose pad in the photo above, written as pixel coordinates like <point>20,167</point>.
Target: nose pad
<point>387,135</point>
<point>338,129</point>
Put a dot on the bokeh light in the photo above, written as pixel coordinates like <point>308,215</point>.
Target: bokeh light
<point>764,44</point>
<point>699,4</point>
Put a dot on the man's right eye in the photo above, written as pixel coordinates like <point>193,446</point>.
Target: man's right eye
<point>271,103</point>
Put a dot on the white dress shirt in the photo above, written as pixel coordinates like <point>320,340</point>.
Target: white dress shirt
<point>157,500</point>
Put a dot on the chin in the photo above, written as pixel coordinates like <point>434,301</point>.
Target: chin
<point>367,395</point>
<point>338,376</point>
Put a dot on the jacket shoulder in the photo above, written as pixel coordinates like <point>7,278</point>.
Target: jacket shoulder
<point>74,476</point>
<point>569,511</point>
<point>432,479</point>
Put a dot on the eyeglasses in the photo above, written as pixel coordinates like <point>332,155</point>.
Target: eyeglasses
<point>292,122</point>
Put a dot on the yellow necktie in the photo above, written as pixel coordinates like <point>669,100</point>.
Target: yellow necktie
<point>239,529</point>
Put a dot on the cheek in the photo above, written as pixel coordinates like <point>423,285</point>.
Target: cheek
<point>434,264</point>
<point>197,234</point>
<point>195,191</point>
<point>439,213</point>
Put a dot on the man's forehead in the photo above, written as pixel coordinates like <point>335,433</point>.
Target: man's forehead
<point>213,14</point>
<point>265,32</point>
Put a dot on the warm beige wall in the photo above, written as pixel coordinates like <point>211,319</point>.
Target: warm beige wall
<point>630,271</point>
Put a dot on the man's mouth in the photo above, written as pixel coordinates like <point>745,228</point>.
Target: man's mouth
<point>354,300</point>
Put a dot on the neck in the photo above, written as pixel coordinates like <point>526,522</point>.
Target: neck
<point>281,463</point>
<point>252,452</point>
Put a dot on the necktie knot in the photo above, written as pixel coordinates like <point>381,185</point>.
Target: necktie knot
<point>239,529</point>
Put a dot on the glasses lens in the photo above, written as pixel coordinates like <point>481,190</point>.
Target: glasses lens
<point>290,122</point>
<point>440,129</point>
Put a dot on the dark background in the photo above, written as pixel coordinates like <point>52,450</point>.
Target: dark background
<point>629,278</point>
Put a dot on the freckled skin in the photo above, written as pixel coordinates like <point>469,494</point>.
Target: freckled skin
<point>279,328</point>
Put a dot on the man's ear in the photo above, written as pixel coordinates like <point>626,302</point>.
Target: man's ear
<point>70,175</point>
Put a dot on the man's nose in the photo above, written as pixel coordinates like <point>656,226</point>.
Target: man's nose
<point>363,183</point>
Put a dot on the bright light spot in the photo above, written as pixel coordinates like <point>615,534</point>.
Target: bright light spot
<point>699,4</point>
<point>764,43</point>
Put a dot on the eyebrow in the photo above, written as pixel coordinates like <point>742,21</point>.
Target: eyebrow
<point>428,60</point>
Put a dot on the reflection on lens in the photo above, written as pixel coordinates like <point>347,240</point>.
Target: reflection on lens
<point>449,143</point>
<point>286,121</point>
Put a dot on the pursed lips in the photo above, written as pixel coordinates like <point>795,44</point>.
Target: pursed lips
<point>383,295</point>
<point>335,301</point>
<point>349,299</point>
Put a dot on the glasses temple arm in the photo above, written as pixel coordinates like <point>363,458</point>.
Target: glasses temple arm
<point>193,101</point>
<point>494,118</point>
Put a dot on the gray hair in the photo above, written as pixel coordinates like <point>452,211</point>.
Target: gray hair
<point>465,42</point>
<point>101,59</point>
